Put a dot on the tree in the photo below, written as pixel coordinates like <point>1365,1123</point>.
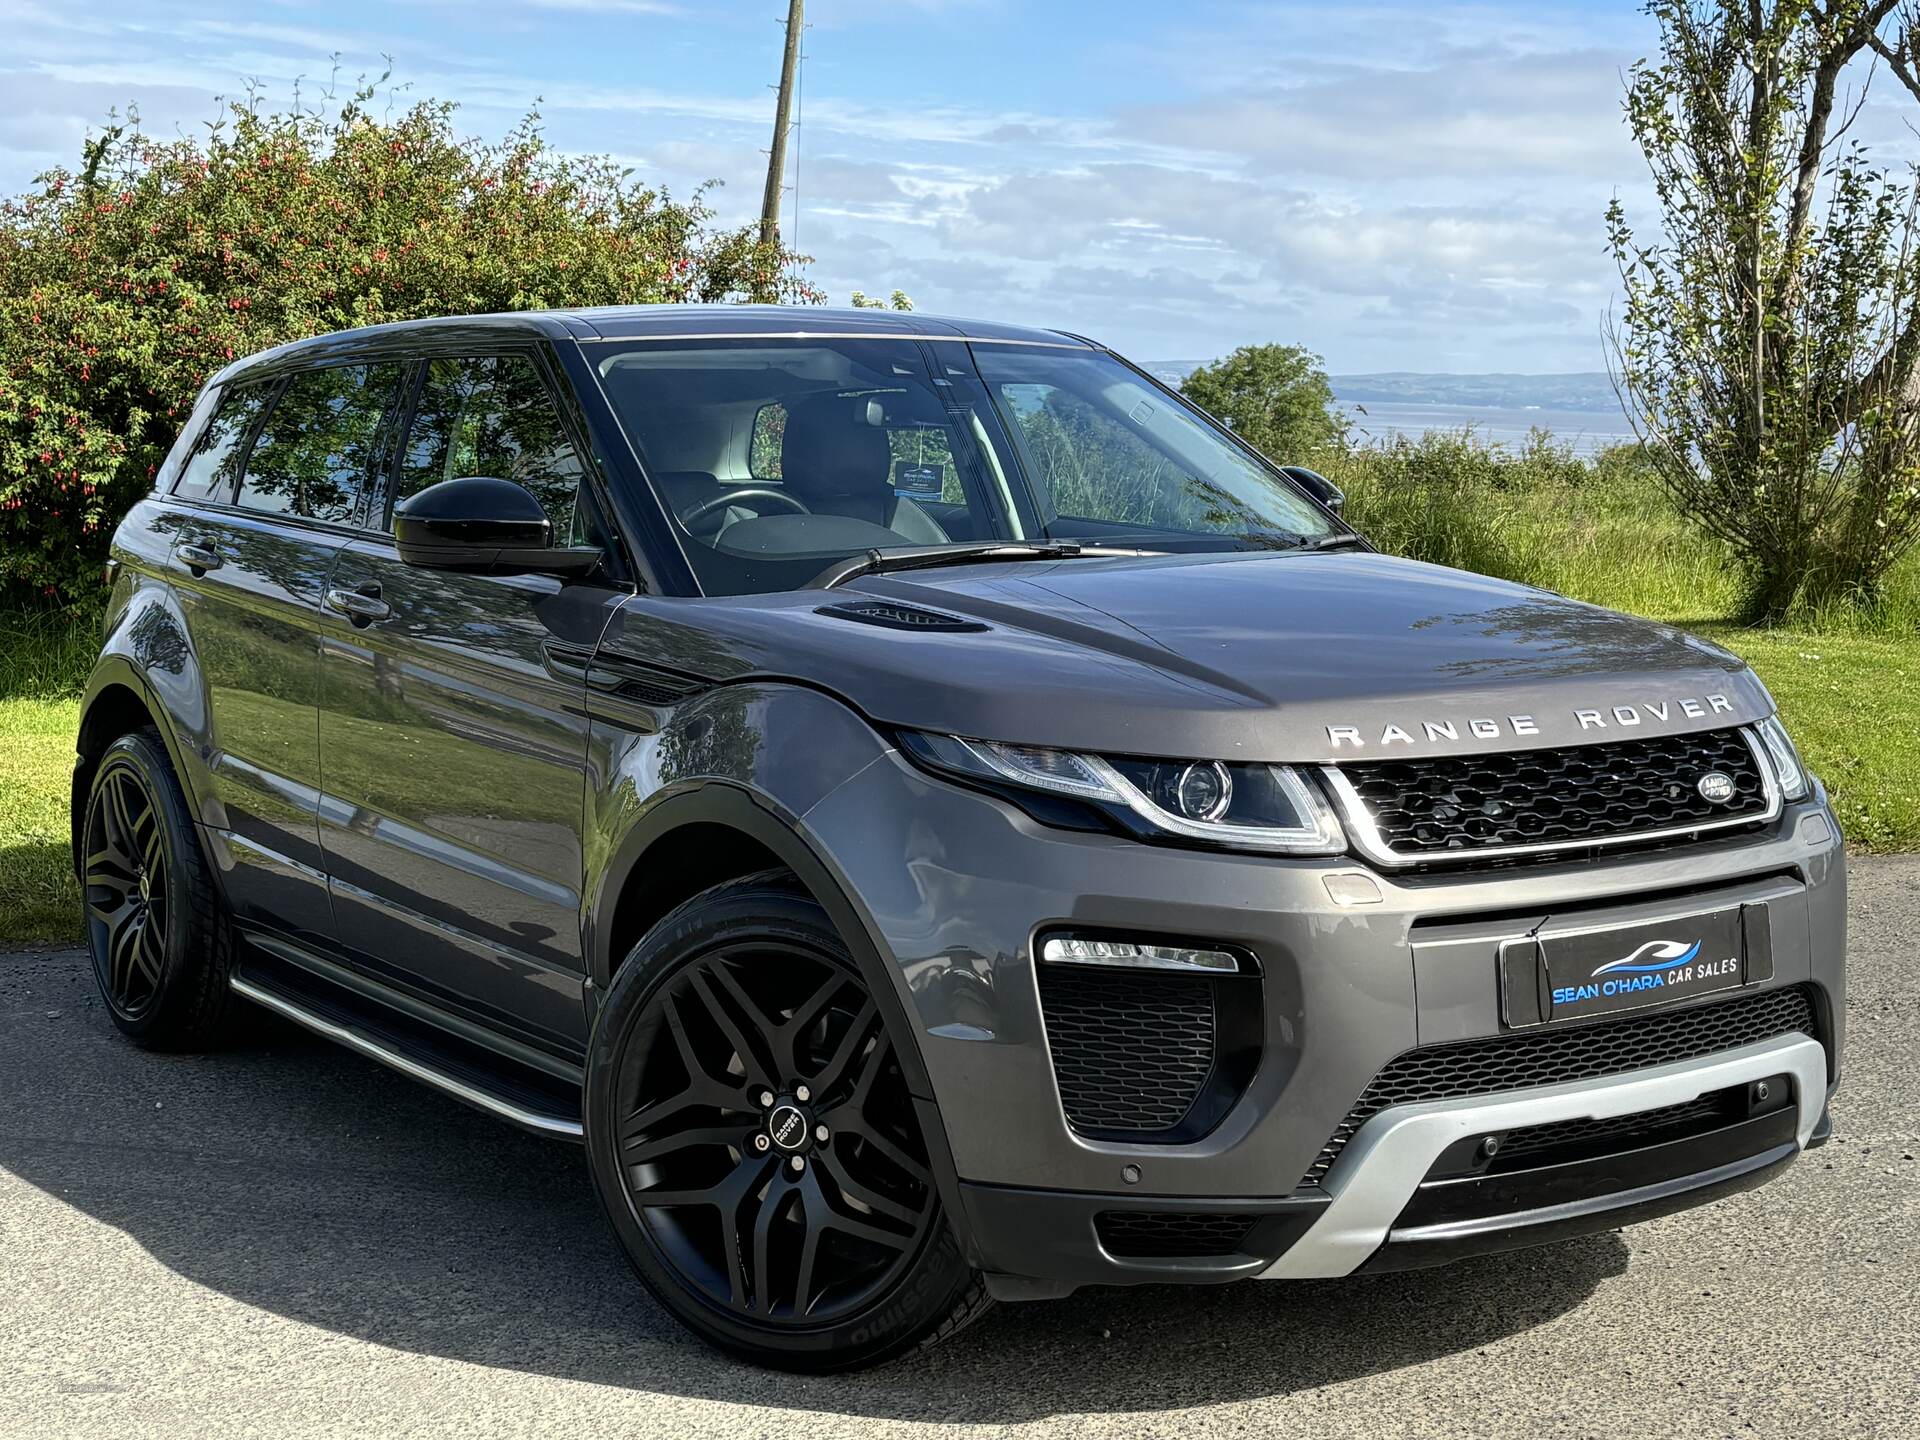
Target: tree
<point>1276,398</point>
<point>1767,349</point>
<point>860,300</point>
<point>124,285</point>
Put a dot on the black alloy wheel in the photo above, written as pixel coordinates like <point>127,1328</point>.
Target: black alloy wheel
<point>125,878</point>
<point>753,1135</point>
<point>156,925</point>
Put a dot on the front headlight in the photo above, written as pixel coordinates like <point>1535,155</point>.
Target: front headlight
<point>1243,807</point>
<point>1788,772</point>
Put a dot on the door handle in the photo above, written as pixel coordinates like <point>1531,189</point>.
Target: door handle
<point>198,558</point>
<point>359,606</point>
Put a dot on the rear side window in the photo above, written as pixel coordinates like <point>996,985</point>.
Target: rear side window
<point>492,415</point>
<point>320,443</point>
<point>215,463</point>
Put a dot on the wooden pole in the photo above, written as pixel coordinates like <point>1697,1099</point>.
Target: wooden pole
<point>777,156</point>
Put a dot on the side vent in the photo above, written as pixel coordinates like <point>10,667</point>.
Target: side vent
<point>895,615</point>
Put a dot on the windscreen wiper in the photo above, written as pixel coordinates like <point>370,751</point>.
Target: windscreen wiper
<point>922,557</point>
<point>1346,541</point>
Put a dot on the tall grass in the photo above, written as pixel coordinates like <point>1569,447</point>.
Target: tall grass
<point>46,654</point>
<point>1598,529</point>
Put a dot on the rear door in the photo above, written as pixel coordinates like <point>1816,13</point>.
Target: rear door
<point>453,736</point>
<point>271,496</point>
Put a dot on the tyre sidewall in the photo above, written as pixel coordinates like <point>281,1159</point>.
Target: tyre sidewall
<point>926,1290</point>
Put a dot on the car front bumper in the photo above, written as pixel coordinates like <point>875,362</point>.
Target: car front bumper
<point>954,886</point>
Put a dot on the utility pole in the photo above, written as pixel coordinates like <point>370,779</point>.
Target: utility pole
<point>777,157</point>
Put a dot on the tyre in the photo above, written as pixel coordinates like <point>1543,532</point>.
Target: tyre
<point>156,925</point>
<point>751,1135</point>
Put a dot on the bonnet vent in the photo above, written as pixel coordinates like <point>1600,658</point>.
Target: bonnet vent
<point>894,615</point>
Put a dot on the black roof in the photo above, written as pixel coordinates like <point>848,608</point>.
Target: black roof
<point>653,322</point>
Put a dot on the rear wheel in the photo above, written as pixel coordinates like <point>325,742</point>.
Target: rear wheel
<point>751,1134</point>
<point>155,924</point>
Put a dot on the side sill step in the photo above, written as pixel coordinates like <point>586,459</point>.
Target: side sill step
<point>417,1052</point>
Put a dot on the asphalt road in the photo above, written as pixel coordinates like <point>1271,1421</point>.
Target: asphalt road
<point>286,1240</point>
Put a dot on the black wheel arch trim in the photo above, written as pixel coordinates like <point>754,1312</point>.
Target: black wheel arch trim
<point>763,820</point>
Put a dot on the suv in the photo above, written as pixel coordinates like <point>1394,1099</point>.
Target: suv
<point>937,817</point>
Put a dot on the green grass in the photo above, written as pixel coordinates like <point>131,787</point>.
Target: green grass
<point>1848,683</point>
<point>38,899</point>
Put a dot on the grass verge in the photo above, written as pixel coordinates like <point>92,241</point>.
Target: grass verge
<point>38,898</point>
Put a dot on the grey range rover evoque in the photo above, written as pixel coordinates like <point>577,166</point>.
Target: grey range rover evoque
<point>938,817</point>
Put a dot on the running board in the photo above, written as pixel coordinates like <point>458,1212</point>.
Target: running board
<point>378,1042</point>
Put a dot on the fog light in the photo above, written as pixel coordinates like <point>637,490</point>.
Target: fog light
<point>1127,954</point>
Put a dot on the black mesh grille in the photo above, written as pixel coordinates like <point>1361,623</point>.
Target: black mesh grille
<point>1435,807</point>
<point>1575,1052</point>
<point>1169,1234</point>
<point>1619,1132</point>
<point>1131,1052</point>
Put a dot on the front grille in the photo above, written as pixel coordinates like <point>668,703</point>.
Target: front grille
<point>1169,1234</point>
<point>1131,1051</point>
<point>1548,1056</point>
<point>1446,807</point>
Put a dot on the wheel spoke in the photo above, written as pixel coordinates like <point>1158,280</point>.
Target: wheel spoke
<point>750,1054</point>
<point>120,812</point>
<point>834,1071</point>
<point>641,1147</point>
<point>753,1061</point>
<point>826,1217</point>
<point>763,1251</point>
<point>858,1127</point>
<point>809,1251</point>
<point>120,947</point>
<point>703,1086</point>
<point>873,1200</point>
<point>787,1037</point>
<point>146,951</point>
<point>109,868</point>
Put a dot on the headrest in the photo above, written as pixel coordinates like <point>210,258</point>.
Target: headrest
<point>835,446</point>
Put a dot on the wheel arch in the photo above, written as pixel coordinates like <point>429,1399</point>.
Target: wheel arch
<point>629,899</point>
<point>117,702</point>
<point>715,809</point>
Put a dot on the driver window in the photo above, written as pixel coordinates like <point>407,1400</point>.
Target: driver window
<point>493,415</point>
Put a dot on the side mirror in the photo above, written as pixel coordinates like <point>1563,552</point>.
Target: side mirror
<point>1317,485</point>
<point>482,526</point>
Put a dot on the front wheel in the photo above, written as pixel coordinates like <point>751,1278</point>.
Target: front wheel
<point>751,1134</point>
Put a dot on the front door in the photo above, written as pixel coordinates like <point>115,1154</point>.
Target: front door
<point>453,736</point>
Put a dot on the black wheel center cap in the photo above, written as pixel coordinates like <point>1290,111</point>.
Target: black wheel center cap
<point>789,1127</point>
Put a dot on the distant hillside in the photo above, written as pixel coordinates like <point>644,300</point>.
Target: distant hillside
<point>1581,390</point>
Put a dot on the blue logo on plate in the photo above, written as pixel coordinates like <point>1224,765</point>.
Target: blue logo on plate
<point>1653,956</point>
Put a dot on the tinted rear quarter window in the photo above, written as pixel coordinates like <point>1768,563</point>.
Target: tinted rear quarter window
<point>321,442</point>
<point>211,470</point>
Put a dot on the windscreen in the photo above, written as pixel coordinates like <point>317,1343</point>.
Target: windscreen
<point>778,458</point>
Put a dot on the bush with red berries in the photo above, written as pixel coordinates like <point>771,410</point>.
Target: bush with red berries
<point>124,285</point>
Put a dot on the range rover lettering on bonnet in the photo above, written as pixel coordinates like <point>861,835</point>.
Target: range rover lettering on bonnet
<point>1622,716</point>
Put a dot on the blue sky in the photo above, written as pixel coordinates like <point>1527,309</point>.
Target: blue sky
<point>1396,186</point>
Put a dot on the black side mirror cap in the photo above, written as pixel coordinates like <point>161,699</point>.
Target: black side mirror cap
<point>479,525</point>
<point>1317,485</point>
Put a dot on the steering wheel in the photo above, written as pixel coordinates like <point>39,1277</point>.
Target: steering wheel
<point>751,492</point>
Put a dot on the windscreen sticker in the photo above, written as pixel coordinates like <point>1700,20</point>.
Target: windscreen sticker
<point>917,482</point>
